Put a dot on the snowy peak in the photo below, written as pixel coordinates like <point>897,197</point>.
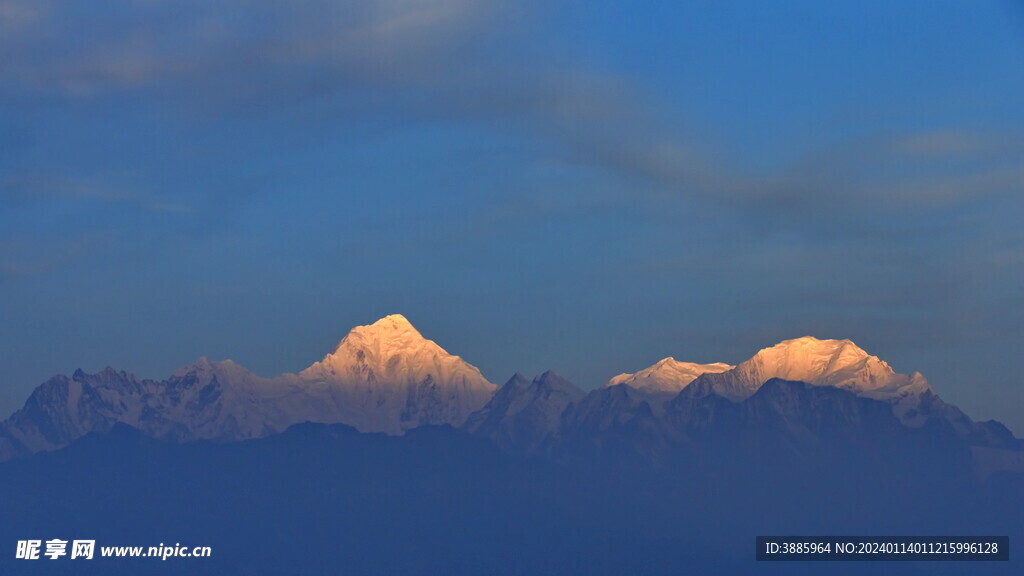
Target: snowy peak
<point>395,322</point>
<point>838,363</point>
<point>386,377</point>
<point>392,350</point>
<point>667,376</point>
<point>377,343</point>
<point>394,329</point>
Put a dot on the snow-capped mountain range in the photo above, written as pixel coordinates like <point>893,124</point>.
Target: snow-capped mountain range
<point>386,377</point>
<point>836,363</point>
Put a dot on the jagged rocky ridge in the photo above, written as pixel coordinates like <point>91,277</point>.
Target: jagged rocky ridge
<point>385,377</point>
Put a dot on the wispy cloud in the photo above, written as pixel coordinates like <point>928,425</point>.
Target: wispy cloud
<point>445,60</point>
<point>31,188</point>
<point>131,45</point>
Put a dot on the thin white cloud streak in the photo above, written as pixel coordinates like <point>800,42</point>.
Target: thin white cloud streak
<point>16,190</point>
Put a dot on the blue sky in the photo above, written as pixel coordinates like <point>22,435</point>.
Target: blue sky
<point>583,186</point>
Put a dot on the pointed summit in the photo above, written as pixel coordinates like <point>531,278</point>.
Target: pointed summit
<point>394,319</point>
<point>393,323</point>
<point>553,380</point>
<point>386,377</point>
<point>525,413</point>
<point>386,336</point>
<point>518,380</point>
<point>390,350</point>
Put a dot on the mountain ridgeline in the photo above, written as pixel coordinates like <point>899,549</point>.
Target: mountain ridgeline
<point>391,455</point>
<point>386,377</point>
